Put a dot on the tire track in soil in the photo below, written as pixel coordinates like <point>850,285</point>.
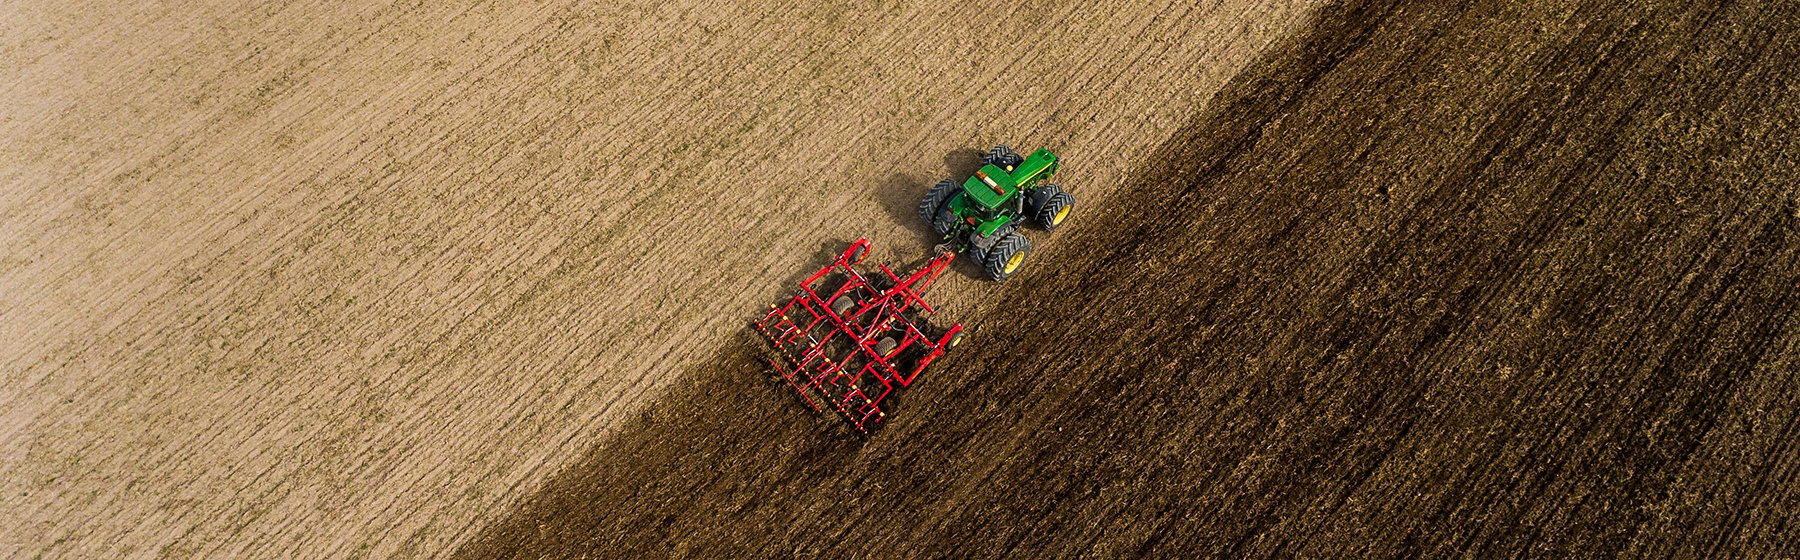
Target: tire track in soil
<point>1430,279</point>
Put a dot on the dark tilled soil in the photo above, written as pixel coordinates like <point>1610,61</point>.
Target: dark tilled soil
<point>1430,279</point>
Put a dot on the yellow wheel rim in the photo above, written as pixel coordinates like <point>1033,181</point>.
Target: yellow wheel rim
<point>1060,214</point>
<point>1013,263</point>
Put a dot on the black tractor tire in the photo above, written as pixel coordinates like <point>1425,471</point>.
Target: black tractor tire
<point>934,202</point>
<point>1055,210</point>
<point>1007,256</point>
<point>975,255</point>
<point>945,222</point>
<point>1003,157</point>
<point>1035,198</point>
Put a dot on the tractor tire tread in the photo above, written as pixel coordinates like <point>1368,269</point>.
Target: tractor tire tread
<point>1002,156</point>
<point>933,204</point>
<point>1058,201</point>
<point>1004,250</point>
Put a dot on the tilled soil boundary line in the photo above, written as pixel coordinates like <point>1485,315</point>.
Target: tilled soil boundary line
<point>1429,279</point>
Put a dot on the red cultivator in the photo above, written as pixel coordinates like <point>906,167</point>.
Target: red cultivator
<point>849,340</point>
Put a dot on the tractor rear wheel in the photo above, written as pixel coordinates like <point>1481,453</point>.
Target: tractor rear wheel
<point>1003,157</point>
<point>1055,209</point>
<point>1006,257</point>
<point>934,203</point>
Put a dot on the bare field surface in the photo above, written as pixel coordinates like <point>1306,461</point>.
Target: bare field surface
<point>1474,279</point>
<point>281,280</point>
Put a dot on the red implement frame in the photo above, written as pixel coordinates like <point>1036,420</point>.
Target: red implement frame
<point>849,354</point>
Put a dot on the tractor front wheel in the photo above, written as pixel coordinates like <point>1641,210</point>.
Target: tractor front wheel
<point>1003,157</point>
<point>1006,257</point>
<point>1055,208</point>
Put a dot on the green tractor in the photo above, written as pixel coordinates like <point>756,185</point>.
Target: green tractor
<point>981,216</point>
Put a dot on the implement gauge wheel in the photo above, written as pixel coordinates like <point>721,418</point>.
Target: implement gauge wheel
<point>1006,257</point>
<point>843,304</point>
<point>886,346</point>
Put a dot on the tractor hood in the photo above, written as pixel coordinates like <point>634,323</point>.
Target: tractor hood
<point>990,187</point>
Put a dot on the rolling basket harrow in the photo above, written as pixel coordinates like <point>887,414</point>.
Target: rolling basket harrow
<point>848,340</point>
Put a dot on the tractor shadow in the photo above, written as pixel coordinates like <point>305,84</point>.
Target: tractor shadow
<point>962,163</point>
<point>899,198</point>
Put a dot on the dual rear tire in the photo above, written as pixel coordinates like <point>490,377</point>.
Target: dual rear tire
<point>931,209</point>
<point>1050,206</point>
<point>1005,257</point>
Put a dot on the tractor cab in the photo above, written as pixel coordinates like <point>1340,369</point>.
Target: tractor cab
<point>994,196</point>
<point>991,187</point>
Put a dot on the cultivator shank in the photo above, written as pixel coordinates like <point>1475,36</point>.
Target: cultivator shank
<point>848,340</point>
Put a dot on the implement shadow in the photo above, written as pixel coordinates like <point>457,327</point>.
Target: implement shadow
<point>708,451</point>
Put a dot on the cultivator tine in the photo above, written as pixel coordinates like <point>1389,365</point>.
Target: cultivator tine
<point>841,356</point>
<point>789,377</point>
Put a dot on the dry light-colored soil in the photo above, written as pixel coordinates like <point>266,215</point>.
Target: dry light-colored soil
<point>354,279</point>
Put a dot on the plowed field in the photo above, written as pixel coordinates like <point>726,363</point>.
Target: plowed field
<point>352,279</point>
<point>1473,279</point>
